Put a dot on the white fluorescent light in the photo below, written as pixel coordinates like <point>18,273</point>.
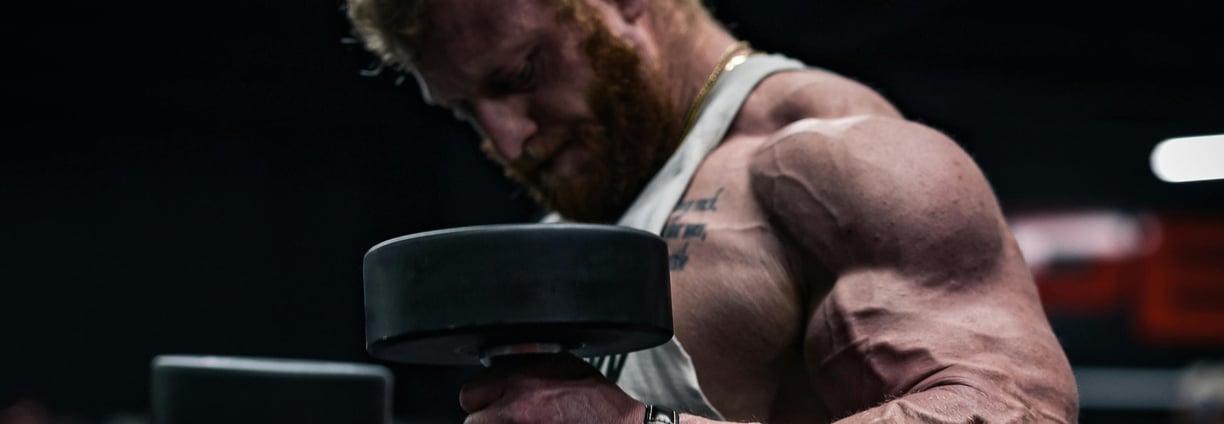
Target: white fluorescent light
<point>1081,236</point>
<point>1179,160</point>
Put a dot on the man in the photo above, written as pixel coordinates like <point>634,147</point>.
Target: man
<point>830,260</point>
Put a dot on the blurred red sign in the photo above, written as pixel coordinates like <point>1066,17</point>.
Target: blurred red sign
<point>1166,272</point>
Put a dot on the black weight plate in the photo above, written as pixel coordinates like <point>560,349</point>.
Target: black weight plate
<point>189,389</point>
<point>440,297</point>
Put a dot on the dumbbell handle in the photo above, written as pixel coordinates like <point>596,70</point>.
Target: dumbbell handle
<point>487,354</point>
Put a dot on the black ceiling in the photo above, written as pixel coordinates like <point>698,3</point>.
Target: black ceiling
<point>1060,102</point>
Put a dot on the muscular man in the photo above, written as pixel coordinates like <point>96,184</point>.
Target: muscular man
<point>830,259</point>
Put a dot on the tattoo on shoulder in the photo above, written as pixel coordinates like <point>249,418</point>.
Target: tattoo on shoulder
<point>678,228</point>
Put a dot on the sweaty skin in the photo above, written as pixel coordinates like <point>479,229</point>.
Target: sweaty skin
<point>830,259</point>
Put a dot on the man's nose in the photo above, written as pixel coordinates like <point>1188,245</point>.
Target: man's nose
<point>505,121</point>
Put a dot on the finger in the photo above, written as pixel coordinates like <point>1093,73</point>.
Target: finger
<point>481,417</point>
<point>515,372</point>
<point>478,394</point>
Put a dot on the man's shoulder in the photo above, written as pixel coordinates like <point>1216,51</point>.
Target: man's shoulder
<point>839,148</point>
<point>789,96</point>
<point>849,178</point>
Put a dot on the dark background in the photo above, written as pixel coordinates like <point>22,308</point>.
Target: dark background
<point>204,177</point>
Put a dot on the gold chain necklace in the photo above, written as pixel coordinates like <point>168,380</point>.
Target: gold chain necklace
<point>728,61</point>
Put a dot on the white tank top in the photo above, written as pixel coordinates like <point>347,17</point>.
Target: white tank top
<point>664,375</point>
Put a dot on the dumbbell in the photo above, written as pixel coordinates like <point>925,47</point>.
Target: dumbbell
<point>191,389</point>
<point>465,296</point>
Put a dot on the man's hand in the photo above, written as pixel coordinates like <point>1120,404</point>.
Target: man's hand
<point>547,388</point>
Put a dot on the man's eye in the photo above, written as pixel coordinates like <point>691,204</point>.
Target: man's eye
<point>516,81</point>
<point>522,79</point>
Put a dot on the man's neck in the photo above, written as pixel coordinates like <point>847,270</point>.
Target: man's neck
<point>688,55</point>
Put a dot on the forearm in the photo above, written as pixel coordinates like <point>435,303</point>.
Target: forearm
<point>944,404</point>
<point>696,419</point>
<point>955,403</point>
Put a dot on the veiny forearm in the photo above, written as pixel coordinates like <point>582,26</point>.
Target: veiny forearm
<point>696,419</point>
<point>954,403</point>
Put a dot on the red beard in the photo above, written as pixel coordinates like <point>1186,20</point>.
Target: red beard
<point>636,129</point>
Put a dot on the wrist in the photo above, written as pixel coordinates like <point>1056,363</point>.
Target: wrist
<point>655,414</point>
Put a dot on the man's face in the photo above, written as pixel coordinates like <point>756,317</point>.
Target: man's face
<point>564,105</point>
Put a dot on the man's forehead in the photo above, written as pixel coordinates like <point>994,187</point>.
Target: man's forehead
<point>466,37</point>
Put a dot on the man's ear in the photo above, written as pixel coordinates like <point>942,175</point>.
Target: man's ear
<point>630,10</point>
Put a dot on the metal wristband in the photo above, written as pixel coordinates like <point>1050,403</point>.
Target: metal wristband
<point>661,415</point>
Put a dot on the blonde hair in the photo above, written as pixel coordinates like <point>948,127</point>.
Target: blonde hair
<point>391,29</point>
<point>395,30</point>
